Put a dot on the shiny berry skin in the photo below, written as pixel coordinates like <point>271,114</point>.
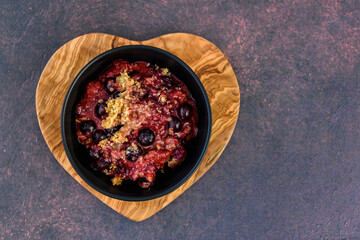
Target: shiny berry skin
<point>185,111</point>
<point>166,81</point>
<point>94,154</point>
<point>175,123</point>
<point>87,126</point>
<point>98,135</point>
<point>110,85</point>
<point>146,136</point>
<point>133,152</point>
<point>101,164</point>
<point>100,110</point>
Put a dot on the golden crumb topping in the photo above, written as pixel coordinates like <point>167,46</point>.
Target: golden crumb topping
<point>165,71</point>
<point>120,136</point>
<point>118,108</point>
<point>122,109</point>
<point>124,81</point>
<point>110,169</point>
<point>114,108</point>
<point>116,181</point>
<point>103,143</point>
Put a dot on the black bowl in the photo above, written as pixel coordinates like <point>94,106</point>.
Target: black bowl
<point>165,182</point>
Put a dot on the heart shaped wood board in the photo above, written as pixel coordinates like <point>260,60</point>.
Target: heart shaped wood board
<point>205,59</point>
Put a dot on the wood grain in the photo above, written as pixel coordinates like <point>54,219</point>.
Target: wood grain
<point>206,60</point>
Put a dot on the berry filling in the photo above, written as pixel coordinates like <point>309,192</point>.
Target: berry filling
<point>134,120</point>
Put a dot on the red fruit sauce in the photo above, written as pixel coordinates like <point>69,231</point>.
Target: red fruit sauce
<point>134,120</point>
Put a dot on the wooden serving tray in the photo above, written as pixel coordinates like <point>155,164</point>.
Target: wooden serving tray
<point>205,59</point>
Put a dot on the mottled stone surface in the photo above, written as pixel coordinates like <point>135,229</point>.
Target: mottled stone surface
<point>292,167</point>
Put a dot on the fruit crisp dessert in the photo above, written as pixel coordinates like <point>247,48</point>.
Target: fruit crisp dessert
<point>134,120</point>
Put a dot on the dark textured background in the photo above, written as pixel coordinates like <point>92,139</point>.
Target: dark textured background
<point>292,167</point>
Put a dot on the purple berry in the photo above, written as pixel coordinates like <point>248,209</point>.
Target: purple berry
<point>185,111</point>
<point>100,110</point>
<point>166,81</point>
<point>110,85</point>
<point>87,126</point>
<point>98,135</point>
<point>133,152</point>
<point>94,154</point>
<point>146,136</point>
<point>175,123</point>
<point>101,164</point>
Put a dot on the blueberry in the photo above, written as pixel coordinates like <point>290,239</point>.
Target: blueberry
<point>98,135</point>
<point>175,123</point>
<point>185,111</point>
<point>133,152</point>
<point>94,154</point>
<point>166,81</point>
<point>101,164</point>
<point>146,136</point>
<point>110,85</point>
<point>87,126</point>
<point>100,110</point>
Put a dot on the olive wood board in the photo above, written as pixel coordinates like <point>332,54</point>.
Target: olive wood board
<point>204,58</point>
